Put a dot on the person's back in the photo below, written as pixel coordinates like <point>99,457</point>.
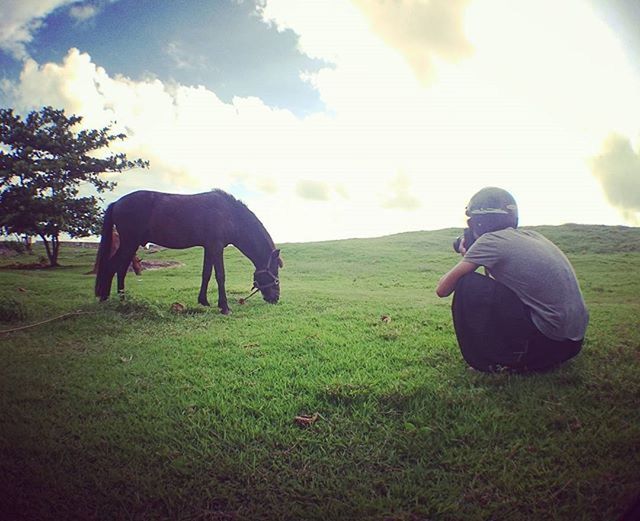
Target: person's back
<point>540,274</point>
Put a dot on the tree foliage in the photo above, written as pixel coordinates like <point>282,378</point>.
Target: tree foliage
<point>44,162</point>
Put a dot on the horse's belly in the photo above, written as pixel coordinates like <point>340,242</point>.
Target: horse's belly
<point>173,242</point>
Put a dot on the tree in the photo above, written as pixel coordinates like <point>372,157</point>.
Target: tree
<point>44,161</point>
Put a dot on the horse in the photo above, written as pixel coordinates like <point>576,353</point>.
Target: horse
<point>212,220</point>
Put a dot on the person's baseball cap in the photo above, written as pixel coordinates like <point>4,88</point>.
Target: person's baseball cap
<point>492,200</point>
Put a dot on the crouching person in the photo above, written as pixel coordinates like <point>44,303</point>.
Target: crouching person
<point>527,313</point>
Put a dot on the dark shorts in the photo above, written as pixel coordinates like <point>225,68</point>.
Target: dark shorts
<point>495,331</point>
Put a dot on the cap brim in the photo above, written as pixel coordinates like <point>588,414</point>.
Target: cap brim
<point>485,211</point>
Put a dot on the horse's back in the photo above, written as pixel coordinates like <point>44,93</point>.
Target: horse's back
<point>173,220</point>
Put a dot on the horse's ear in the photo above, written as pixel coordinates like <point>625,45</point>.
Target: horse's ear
<point>276,255</point>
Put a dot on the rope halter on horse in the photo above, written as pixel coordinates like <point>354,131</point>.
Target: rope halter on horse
<point>260,287</point>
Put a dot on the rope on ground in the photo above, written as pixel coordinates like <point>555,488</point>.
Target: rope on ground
<point>59,317</point>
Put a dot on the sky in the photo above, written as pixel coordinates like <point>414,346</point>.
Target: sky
<point>349,118</point>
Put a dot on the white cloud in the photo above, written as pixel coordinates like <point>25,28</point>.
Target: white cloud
<point>20,19</point>
<point>312,190</point>
<point>422,30</point>
<point>82,13</point>
<point>399,195</point>
<point>617,167</point>
<point>182,58</point>
<point>520,111</point>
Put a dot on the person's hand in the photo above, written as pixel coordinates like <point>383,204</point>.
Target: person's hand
<point>462,248</point>
<point>448,282</point>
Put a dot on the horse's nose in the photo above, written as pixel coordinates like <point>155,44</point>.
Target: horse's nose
<point>272,298</point>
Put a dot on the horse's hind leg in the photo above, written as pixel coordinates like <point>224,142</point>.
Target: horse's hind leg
<point>105,288</point>
<point>121,261</point>
<point>110,269</point>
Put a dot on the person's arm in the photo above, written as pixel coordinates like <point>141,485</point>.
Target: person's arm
<point>448,282</point>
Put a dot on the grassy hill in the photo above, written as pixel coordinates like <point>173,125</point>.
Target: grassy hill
<point>131,411</point>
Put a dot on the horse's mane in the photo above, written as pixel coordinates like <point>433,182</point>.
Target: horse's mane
<point>243,214</point>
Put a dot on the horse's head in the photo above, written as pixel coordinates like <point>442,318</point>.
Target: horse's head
<point>267,281</point>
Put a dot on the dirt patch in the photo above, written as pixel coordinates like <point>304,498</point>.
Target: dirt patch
<point>41,265</point>
<point>150,265</point>
<point>159,265</point>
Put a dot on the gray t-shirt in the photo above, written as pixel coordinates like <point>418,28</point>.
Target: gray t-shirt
<point>538,272</point>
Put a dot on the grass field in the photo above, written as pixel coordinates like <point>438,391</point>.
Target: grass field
<point>131,411</point>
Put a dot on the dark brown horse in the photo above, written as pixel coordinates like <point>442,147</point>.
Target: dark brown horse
<point>212,220</point>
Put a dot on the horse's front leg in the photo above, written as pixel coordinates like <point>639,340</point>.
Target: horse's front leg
<point>218,264</point>
<point>207,266</point>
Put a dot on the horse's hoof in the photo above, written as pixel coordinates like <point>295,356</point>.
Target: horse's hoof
<point>203,303</point>
<point>225,311</point>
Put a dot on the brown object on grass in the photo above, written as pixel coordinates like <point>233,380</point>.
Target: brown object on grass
<point>306,421</point>
<point>136,263</point>
<point>178,308</point>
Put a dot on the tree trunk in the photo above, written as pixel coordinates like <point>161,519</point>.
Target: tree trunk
<point>48,248</point>
<point>52,249</point>
<point>55,241</point>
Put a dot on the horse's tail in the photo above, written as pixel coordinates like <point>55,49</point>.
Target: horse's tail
<point>103,281</point>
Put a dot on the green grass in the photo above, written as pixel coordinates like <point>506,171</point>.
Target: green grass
<point>130,411</point>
